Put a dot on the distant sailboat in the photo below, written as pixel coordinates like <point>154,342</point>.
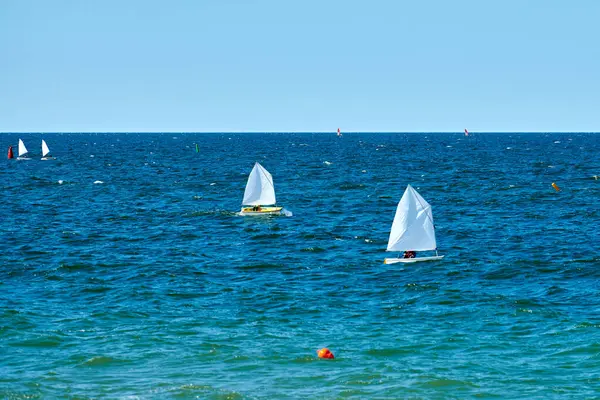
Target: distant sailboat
<point>412,229</point>
<point>22,151</point>
<point>339,133</point>
<point>259,197</point>
<point>46,151</point>
<point>466,132</point>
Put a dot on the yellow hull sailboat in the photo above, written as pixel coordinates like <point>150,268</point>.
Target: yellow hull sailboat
<point>259,196</point>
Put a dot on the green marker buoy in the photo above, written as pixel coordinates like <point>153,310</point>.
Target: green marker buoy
<point>197,148</point>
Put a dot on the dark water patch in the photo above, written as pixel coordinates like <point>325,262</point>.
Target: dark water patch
<point>103,361</point>
<point>595,260</point>
<point>322,235</point>
<point>305,360</point>
<point>70,234</point>
<point>238,359</point>
<point>313,250</point>
<point>114,265</point>
<point>31,251</point>
<point>185,295</point>
<point>267,236</point>
<point>120,314</point>
<point>123,217</point>
<point>259,267</point>
<point>447,383</point>
<point>41,342</point>
<point>350,186</point>
<point>591,350</point>
<point>421,287</point>
<point>189,236</point>
<point>555,291</point>
<point>502,273</point>
<point>73,267</point>
<point>96,289</point>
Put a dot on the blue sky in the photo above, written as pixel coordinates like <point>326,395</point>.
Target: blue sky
<point>311,65</point>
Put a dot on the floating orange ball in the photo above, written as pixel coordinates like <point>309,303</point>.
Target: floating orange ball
<point>325,353</point>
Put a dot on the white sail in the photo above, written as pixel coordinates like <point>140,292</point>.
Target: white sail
<point>45,149</point>
<point>259,189</point>
<point>412,228</point>
<point>22,148</point>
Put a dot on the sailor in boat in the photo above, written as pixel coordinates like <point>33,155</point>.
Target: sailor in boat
<point>410,254</point>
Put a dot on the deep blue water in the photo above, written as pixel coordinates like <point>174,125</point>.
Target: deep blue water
<point>148,285</point>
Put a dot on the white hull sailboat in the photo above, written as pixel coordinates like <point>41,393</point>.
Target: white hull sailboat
<point>411,260</point>
<point>412,229</point>
<point>46,151</point>
<point>22,151</point>
<point>259,197</point>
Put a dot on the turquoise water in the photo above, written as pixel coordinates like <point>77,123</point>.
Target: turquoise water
<point>148,285</point>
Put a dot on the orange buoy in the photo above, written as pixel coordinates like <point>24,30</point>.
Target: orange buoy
<point>325,353</point>
<point>555,186</point>
<point>10,152</point>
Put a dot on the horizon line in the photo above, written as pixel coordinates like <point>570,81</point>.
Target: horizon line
<point>323,132</point>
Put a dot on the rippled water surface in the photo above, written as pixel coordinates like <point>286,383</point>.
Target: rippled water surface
<point>148,285</point>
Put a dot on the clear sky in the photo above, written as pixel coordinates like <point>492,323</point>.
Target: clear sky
<point>306,65</point>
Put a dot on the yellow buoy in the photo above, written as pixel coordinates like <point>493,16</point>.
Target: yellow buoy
<point>555,186</point>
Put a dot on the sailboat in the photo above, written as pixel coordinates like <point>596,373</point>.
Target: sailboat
<point>22,151</point>
<point>339,133</point>
<point>412,229</point>
<point>259,197</point>
<point>46,151</point>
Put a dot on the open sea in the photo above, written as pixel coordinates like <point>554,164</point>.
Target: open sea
<point>125,271</point>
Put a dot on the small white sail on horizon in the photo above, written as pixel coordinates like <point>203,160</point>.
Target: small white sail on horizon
<point>22,151</point>
<point>260,192</point>
<point>412,229</point>
<point>45,151</point>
